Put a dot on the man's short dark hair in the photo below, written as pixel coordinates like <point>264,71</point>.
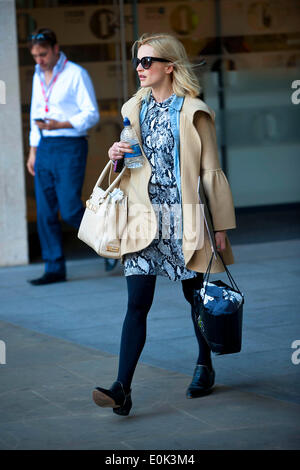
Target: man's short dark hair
<point>44,37</point>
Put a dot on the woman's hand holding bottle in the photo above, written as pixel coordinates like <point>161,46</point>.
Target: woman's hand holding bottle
<point>117,150</point>
<point>128,147</point>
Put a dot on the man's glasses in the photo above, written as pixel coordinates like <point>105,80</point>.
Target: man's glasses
<point>146,62</point>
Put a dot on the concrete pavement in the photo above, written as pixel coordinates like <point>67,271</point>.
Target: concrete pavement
<point>61,340</point>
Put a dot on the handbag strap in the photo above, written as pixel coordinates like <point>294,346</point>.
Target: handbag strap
<point>108,168</point>
<point>233,283</point>
<point>207,274</point>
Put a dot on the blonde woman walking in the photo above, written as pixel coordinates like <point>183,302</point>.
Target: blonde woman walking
<point>177,136</point>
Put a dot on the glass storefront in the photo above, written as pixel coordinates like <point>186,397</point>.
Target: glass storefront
<point>251,77</point>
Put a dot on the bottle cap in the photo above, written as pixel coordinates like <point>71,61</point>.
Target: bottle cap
<point>126,121</point>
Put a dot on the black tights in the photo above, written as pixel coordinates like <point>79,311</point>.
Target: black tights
<point>140,296</point>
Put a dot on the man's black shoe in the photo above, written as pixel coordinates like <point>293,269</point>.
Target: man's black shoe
<point>202,383</point>
<point>48,278</point>
<point>110,264</point>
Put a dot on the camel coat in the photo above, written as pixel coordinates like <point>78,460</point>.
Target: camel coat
<point>203,186</point>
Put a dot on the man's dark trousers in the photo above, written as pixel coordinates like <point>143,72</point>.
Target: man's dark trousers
<point>59,174</point>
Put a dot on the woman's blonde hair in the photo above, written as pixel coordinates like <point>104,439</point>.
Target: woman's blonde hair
<point>184,80</point>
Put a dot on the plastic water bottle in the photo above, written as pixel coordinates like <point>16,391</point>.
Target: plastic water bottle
<point>131,160</point>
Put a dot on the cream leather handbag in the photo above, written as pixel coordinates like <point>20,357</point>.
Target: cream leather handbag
<point>105,218</point>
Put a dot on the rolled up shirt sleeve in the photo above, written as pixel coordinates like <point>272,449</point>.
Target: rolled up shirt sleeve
<point>214,182</point>
<point>86,101</point>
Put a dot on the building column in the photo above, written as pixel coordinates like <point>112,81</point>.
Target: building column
<point>13,224</point>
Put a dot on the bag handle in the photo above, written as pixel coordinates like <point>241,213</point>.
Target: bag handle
<point>207,274</point>
<point>107,168</point>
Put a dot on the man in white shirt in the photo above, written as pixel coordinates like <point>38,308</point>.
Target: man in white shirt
<point>63,108</point>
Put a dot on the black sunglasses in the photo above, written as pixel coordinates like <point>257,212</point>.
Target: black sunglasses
<point>38,37</point>
<point>48,37</point>
<point>146,62</point>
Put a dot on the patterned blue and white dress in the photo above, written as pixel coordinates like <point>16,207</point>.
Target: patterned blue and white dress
<point>164,255</point>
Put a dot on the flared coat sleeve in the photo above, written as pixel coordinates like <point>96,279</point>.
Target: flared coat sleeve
<point>214,182</point>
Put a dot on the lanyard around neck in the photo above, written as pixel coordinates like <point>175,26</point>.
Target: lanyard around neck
<point>47,95</point>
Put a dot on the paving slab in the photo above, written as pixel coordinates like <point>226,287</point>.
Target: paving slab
<point>46,405</point>
<point>62,340</point>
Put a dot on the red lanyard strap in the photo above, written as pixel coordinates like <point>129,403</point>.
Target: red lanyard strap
<point>47,96</point>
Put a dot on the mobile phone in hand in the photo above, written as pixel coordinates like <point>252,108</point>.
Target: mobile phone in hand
<point>118,165</point>
<point>40,120</point>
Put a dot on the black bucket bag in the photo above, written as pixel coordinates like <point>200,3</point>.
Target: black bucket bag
<point>218,308</point>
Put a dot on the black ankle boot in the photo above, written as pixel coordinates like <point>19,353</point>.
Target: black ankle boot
<point>202,383</point>
<point>126,407</point>
<point>115,398</point>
